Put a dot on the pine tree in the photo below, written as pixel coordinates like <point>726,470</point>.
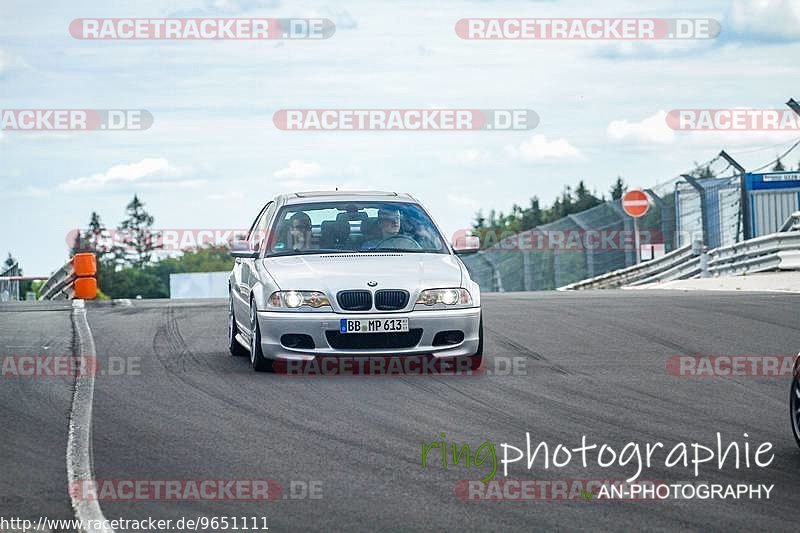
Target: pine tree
<point>480,220</point>
<point>94,239</point>
<point>137,234</point>
<point>618,189</point>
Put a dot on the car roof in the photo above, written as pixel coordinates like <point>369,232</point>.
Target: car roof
<point>334,196</point>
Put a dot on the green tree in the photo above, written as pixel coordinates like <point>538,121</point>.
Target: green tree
<point>778,166</point>
<point>94,239</point>
<point>532,216</point>
<point>618,189</point>
<point>137,234</point>
<point>584,199</point>
<point>480,220</point>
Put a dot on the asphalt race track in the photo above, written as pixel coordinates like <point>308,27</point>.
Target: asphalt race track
<point>592,363</point>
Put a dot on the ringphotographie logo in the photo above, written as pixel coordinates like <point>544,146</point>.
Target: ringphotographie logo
<point>405,119</point>
<point>587,29</point>
<point>75,119</point>
<point>201,29</point>
<point>733,119</point>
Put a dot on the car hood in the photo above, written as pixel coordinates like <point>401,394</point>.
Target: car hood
<point>335,272</point>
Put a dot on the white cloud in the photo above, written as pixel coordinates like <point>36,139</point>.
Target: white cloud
<point>297,170</point>
<point>766,20</point>
<point>9,62</point>
<point>232,195</point>
<point>5,61</point>
<point>538,148</point>
<point>342,19</point>
<point>463,202</point>
<point>652,130</point>
<point>146,172</point>
<point>29,192</point>
<point>469,157</point>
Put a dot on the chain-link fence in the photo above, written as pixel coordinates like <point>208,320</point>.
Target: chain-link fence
<point>9,288</point>
<point>576,247</point>
<point>573,248</point>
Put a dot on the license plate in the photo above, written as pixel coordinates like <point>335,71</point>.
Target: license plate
<point>373,325</point>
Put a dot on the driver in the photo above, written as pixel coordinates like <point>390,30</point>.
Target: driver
<point>389,223</point>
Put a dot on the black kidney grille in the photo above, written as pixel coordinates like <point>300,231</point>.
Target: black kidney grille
<point>355,300</point>
<point>390,299</point>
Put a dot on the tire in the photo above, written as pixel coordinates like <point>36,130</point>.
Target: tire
<point>794,402</point>
<point>234,346</point>
<point>257,359</point>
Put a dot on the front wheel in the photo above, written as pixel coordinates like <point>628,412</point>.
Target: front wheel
<point>794,402</point>
<point>257,359</point>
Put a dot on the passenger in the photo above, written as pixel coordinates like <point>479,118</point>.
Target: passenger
<point>300,231</point>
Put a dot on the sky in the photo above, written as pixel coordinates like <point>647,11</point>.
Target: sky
<point>213,157</point>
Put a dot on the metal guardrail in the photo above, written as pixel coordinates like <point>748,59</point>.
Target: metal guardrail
<point>664,268</point>
<point>59,285</point>
<point>792,223</point>
<point>779,251</point>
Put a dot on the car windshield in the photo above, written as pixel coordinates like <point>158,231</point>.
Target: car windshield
<point>335,227</point>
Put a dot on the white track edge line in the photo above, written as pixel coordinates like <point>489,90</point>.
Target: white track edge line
<point>80,468</point>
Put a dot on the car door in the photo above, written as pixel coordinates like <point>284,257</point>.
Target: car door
<point>243,272</point>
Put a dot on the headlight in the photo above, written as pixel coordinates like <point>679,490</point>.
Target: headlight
<point>295,299</point>
<point>455,296</point>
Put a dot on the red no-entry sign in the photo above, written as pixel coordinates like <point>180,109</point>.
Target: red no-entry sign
<point>635,203</point>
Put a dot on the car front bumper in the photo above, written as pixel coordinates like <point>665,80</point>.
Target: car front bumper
<point>274,324</point>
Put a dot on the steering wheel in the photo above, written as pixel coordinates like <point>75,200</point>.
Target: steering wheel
<point>398,237</point>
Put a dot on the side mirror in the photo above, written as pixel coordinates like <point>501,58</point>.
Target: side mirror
<point>241,248</point>
<point>466,244</point>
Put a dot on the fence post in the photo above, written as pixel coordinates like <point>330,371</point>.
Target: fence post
<point>630,255</point>
<point>526,270</point>
<point>667,222</point>
<point>703,206</point>
<point>497,282</point>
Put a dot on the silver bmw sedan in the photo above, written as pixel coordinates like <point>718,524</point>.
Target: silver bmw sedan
<point>331,274</point>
